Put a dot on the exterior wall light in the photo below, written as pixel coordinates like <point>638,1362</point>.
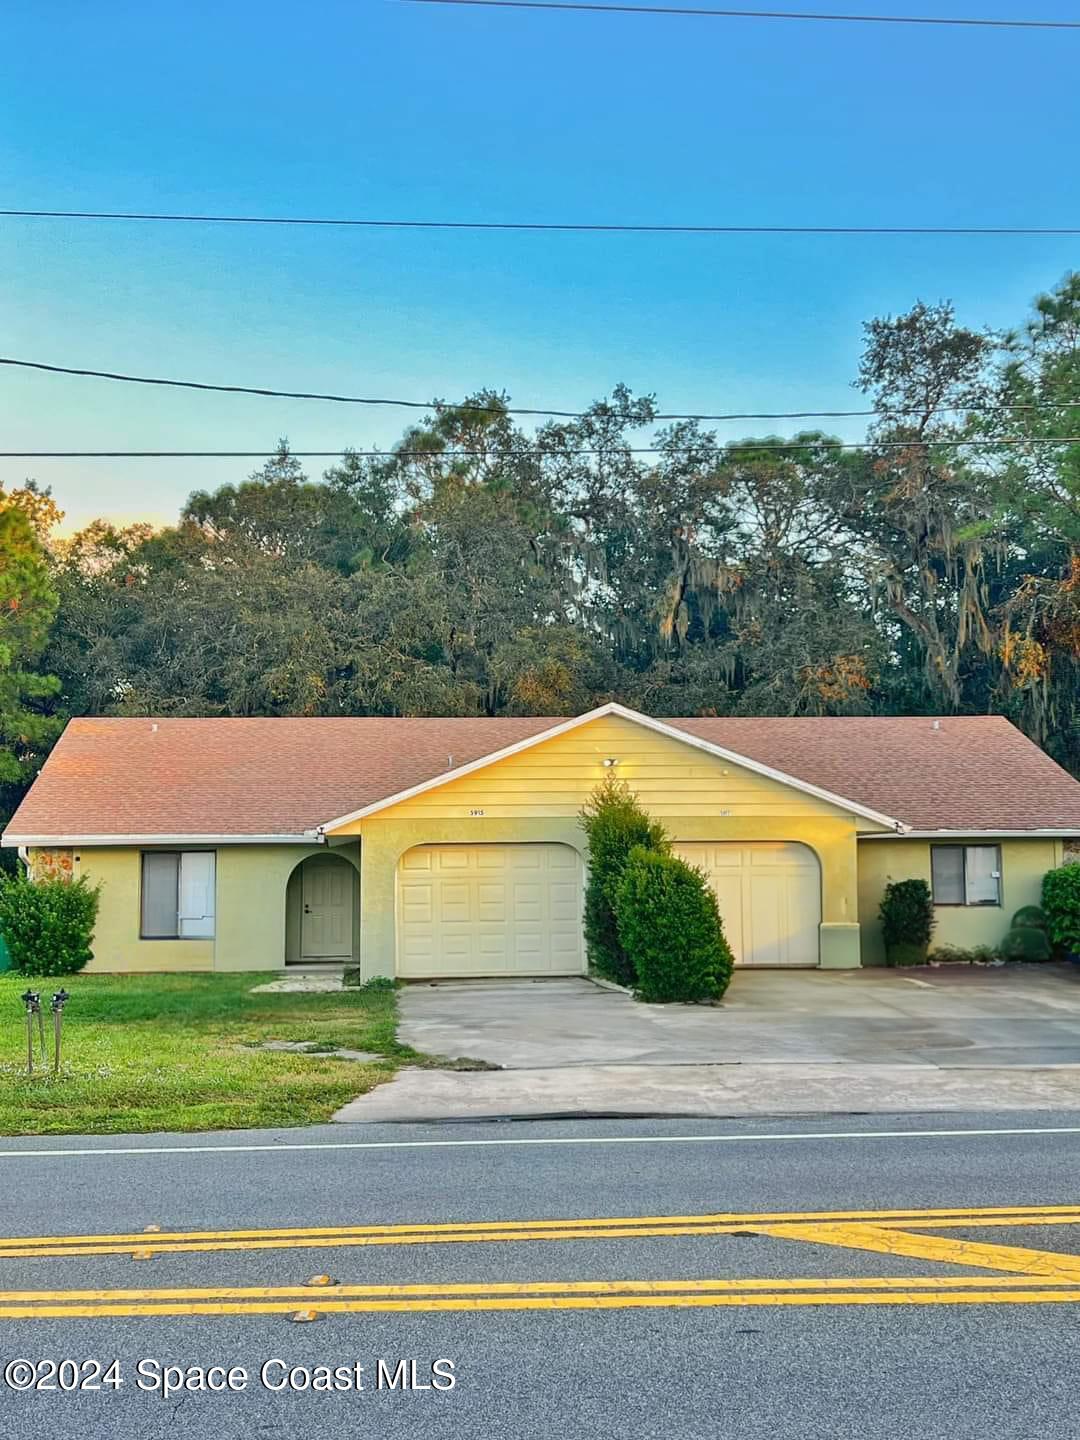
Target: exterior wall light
<point>610,761</point>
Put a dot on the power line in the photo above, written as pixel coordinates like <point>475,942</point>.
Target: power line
<point>761,14</point>
<point>543,226</point>
<point>471,406</point>
<point>533,452</point>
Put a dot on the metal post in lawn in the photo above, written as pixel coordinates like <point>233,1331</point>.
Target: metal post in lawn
<point>59,1000</point>
<point>41,1029</point>
<point>30,999</point>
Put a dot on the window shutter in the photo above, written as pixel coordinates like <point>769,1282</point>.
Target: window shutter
<point>947,869</point>
<point>197,894</point>
<point>159,894</point>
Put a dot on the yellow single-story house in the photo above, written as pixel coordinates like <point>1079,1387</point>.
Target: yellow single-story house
<point>428,848</point>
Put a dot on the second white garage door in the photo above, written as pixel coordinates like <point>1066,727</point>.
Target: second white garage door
<point>769,896</point>
<point>489,910</point>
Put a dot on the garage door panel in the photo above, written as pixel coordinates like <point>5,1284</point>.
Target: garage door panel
<point>528,906</point>
<point>490,910</point>
<point>768,919</point>
<point>568,947</point>
<point>454,903</point>
<point>417,860</point>
<point>769,897</point>
<point>565,903</point>
<point>728,890</point>
<point>416,908</point>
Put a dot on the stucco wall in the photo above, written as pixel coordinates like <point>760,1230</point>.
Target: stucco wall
<point>1023,864</point>
<point>252,881</point>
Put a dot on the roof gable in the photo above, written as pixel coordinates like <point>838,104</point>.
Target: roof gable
<point>666,728</point>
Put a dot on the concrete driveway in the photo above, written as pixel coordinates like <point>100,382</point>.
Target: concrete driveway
<point>952,1016</point>
<point>782,1043</point>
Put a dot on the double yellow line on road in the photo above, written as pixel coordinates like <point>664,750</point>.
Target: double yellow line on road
<point>1024,1276</point>
<point>540,1295</point>
<point>488,1231</point>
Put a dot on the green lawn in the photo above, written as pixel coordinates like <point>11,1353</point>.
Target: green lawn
<point>167,1052</point>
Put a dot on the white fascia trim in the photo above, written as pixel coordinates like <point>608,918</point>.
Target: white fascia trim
<point>460,770</point>
<point>1036,834</point>
<point>647,721</point>
<point>310,838</point>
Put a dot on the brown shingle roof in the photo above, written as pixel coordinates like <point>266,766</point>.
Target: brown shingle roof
<point>287,776</point>
<point>974,772</point>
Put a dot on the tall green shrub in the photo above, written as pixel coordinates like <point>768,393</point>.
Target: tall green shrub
<point>614,823</point>
<point>907,921</point>
<point>1061,905</point>
<point>670,927</point>
<point>48,924</point>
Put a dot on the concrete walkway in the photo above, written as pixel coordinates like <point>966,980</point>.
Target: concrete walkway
<point>782,1043</point>
<point>686,1091</point>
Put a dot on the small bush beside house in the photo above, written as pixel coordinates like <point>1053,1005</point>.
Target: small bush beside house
<point>907,921</point>
<point>1027,938</point>
<point>1061,906</point>
<point>614,824</point>
<point>670,930</point>
<point>1024,942</point>
<point>48,925</point>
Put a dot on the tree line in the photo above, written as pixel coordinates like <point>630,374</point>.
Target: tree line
<point>482,568</point>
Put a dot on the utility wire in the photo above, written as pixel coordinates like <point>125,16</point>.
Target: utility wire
<point>541,226</point>
<point>534,452</point>
<point>471,406</point>
<point>760,14</point>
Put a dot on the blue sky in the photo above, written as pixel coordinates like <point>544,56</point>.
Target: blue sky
<point>382,108</point>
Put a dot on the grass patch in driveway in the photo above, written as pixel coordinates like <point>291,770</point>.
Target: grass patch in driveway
<point>175,1052</point>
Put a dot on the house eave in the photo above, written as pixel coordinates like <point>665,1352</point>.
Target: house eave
<point>1042,832</point>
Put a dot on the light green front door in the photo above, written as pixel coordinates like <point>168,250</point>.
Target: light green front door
<point>326,925</point>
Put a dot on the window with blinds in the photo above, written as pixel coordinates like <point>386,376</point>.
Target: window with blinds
<point>178,894</point>
<point>966,874</point>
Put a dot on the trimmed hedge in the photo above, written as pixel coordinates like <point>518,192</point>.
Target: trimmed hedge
<point>670,928</point>
<point>1061,905</point>
<point>907,921</point>
<point>614,823</point>
<point>48,924</point>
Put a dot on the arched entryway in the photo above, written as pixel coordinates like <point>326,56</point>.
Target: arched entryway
<point>322,912</point>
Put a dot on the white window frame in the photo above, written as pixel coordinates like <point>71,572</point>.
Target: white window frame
<point>965,903</point>
<point>189,926</point>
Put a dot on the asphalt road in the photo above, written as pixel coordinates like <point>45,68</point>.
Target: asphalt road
<point>994,1355</point>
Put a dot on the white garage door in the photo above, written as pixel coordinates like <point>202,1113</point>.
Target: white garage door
<point>490,910</point>
<point>769,896</point>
